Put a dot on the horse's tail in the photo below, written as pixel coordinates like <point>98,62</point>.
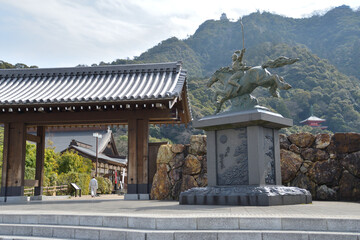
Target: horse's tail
<point>279,62</point>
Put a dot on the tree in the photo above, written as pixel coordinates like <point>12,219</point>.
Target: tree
<point>70,161</point>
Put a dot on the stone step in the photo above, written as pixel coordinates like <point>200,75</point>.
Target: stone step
<point>189,222</point>
<point>12,237</point>
<point>79,232</point>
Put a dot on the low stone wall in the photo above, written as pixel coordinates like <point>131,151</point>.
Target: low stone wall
<point>179,168</point>
<point>328,166</point>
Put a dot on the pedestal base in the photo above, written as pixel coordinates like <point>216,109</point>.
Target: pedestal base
<point>246,195</point>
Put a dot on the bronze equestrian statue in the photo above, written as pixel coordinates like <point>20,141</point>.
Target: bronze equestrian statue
<point>240,81</point>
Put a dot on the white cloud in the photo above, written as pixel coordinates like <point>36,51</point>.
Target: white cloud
<point>66,33</point>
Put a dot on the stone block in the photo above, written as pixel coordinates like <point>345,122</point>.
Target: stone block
<point>17,199</point>
<point>333,236</point>
<point>11,219</point>
<point>135,235</point>
<point>275,200</point>
<point>176,223</point>
<point>91,220</point>
<point>291,199</point>
<point>263,200</point>
<point>200,200</point>
<point>245,195</point>
<point>195,235</point>
<point>61,232</point>
<point>260,223</point>
<point>159,235</point>
<point>192,165</point>
<point>32,219</point>
<point>177,148</point>
<point>304,224</point>
<point>42,231</point>
<point>243,235</point>
<point>165,155</point>
<point>131,197</point>
<point>284,142</point>
<point>115,221</point>
<point>344,225</point>
<point>87,233</point>
<point>278,235</point>
<point>6,230</point>
<point>188,182</point>
<point>322,140</point>
<point>141,223</point>
<point>23,230</point>
<point>346,142</point>
<point>144,196</point>
<point>197,144</point>
<point>217,223</point>
<point>112,235</point>
<point>68,220</point>
<point>302,139</point>
<point>290,164</point>
<point>161,186</point>
<point>47,219</point>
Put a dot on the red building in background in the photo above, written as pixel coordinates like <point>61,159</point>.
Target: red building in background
<point>313,121</point>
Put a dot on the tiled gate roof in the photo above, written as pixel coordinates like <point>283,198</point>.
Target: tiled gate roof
<point>113,83</point>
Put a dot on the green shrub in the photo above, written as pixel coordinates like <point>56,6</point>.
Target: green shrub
<point>84,180</point>
<point>67,179</point>
<point>104,185</point>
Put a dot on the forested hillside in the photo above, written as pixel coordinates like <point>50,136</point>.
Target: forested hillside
<point>327,75</point>
<point>6,65</point>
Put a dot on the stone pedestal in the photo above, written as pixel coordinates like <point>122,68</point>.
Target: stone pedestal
<point>243,161</point>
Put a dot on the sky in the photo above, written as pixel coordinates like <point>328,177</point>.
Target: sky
<point>65,33</point>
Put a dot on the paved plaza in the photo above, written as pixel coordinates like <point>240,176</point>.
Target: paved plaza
<point>112,217</point>
<point>116,205</point>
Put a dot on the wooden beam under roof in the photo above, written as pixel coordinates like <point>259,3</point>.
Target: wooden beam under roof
<point>93,117</point>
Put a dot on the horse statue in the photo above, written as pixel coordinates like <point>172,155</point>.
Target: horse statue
<point>251,78</point>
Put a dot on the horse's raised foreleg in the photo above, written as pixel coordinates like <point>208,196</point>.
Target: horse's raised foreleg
<point>211,81</point>
<point>273,91</point>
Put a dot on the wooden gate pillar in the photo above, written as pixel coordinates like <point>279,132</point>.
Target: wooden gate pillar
<point>138,138</point>
<point>12,181</point>
<point>40,154</point>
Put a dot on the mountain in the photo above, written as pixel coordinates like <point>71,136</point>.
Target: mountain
<point>327,75</point>
<point>334,36</point>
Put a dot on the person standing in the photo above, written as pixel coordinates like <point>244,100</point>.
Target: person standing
<point>93,186</point>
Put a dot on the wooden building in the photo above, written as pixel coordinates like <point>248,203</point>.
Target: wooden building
<point>135,95</point>
<point>109,163</point>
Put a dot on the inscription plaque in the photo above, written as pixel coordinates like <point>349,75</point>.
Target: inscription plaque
<point>269,159</point>
<point>232,160</point>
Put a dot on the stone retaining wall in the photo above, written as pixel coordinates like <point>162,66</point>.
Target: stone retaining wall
<point>328,166</point>
<point>179,168</point>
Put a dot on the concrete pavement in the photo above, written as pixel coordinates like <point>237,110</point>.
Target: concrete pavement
<point>116,205</point>
<point>112,217</point>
